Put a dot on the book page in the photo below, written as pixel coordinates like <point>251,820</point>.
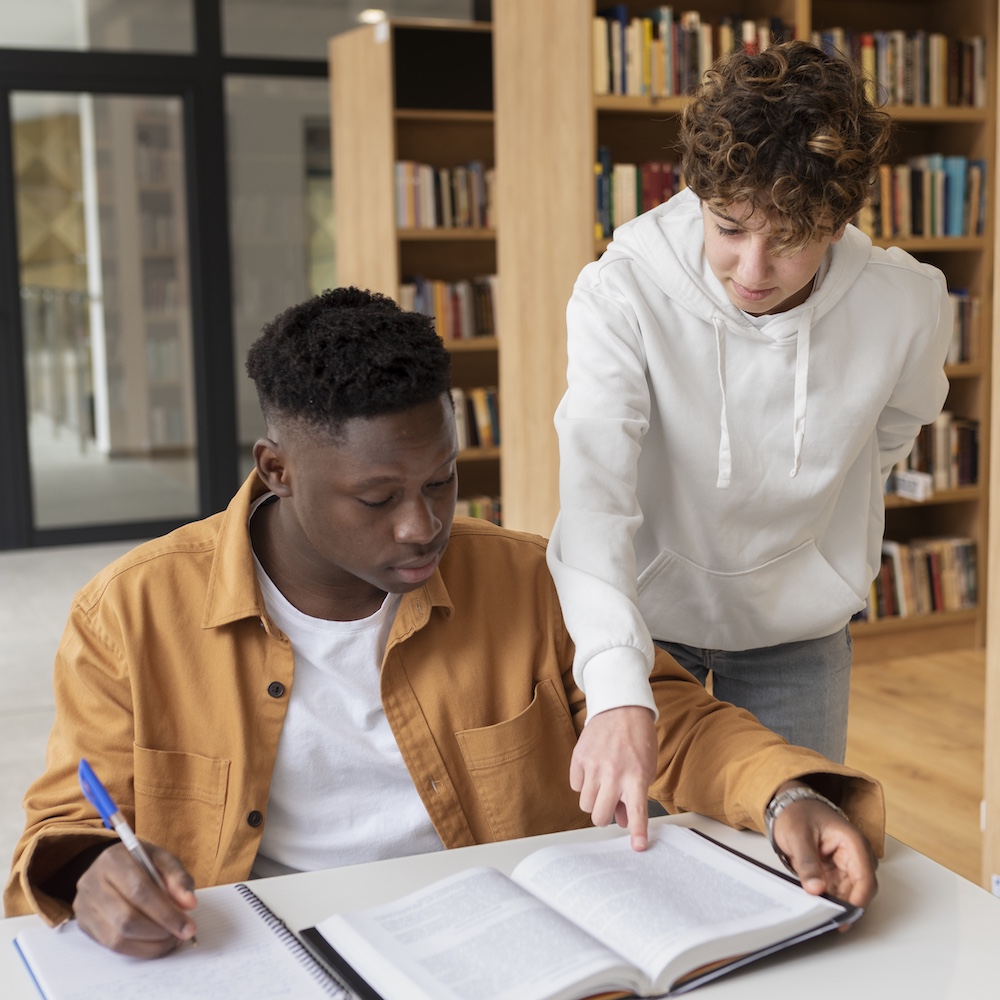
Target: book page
<point>683,902</point>
<point>238,955</point>
<point>474,936</point>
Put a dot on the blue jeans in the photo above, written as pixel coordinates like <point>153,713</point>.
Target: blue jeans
<point>800,689</point>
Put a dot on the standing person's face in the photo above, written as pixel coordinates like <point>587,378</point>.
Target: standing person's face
<point>374,508</point>
<point>741,253</point>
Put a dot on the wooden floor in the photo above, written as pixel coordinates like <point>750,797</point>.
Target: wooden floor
<point>916,724</point>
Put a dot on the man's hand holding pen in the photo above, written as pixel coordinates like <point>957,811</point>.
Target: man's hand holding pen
<point>134,898</point>
<point>118,905</point>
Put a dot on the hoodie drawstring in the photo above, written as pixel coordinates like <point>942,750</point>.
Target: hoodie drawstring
<point>725,454</point>
<point>801,390</point>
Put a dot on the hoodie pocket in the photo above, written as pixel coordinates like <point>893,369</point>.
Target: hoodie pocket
<point>796,596</point>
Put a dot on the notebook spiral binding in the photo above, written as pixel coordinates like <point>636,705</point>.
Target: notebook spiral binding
<point>323,978</point>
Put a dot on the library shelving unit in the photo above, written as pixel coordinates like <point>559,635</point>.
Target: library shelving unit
<point>419,90</point>
<point>549,125</point>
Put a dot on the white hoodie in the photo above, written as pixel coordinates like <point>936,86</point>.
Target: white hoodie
<point>721,478</point>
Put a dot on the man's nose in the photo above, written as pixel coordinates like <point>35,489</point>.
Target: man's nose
<point>418,522</point>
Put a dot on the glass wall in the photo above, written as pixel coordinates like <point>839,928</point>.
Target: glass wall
<point>280,210</point>
<point>124,390</point>
<point>122,25</point>
<point>106,317</point>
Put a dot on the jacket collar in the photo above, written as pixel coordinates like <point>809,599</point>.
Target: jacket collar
<point>233,593</point>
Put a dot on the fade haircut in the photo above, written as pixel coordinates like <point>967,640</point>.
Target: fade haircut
<point>792,132</point>
<point>343,354</point>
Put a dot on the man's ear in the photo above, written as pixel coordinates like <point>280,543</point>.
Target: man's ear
<point>272,466</point>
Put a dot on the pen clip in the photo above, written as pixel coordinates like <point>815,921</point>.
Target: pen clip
<point>96,794</point>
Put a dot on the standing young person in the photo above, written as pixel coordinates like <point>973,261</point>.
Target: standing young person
<point>745,369</point>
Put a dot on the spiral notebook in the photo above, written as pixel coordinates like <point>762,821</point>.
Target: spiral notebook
<point>244,950</point>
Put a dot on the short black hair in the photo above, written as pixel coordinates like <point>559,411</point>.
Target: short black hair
<point>343,354</point>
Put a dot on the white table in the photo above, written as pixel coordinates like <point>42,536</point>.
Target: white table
<point>928,935</point>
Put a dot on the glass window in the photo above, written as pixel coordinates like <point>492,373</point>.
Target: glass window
<point>106,315</point>
<point>281,211</point>
<point>119,25</point>
<point>301,28</point>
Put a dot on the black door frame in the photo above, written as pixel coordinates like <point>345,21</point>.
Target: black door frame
<point>199,80</point>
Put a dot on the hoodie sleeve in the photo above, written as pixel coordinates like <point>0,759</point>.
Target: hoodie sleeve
<point>922,387</point>
<point>601,422</point>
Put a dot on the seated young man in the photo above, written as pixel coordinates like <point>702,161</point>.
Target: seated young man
<point>331,671</point>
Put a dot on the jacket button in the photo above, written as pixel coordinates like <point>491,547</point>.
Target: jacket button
<point>255,818</point>
<point>276,689</point>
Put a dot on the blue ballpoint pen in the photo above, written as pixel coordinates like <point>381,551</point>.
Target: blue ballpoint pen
<point>97,795</point>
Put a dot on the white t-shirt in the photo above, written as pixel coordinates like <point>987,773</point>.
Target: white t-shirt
<point>340,793</point>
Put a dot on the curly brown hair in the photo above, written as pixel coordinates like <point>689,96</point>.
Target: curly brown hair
<point>792,132</point>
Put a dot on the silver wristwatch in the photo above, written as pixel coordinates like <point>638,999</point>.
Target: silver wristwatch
<point>780,802</point>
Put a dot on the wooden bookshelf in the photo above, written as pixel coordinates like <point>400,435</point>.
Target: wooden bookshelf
<point>991,746</point>
<point>546,152</point>
<point>389,103</point>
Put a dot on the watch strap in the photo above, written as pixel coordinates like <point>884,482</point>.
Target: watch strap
<point>780,802</point>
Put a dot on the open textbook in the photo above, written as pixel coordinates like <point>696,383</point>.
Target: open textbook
<point>577,921</point>
<point>570,922</point>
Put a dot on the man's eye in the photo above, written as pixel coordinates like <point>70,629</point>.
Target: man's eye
<point>444,483</point>
<point>375,503</point>
<point>727,232</point>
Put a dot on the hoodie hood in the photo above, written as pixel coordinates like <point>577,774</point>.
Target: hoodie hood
<point>667,245</point>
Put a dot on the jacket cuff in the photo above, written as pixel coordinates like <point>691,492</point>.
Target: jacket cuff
<point>615,678</point>
<point>43,859</point>
<point>861,798</point>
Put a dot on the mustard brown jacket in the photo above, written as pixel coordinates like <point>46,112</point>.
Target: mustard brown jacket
<point>172,681</point>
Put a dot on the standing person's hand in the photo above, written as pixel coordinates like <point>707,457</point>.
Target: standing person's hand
<point>612,767</point>
<point>118,905</point>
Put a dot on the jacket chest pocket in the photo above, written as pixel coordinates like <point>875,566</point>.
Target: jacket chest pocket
<point>180,802</point>
<point>520,769</point>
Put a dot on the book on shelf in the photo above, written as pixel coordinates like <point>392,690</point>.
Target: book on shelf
<point>600,56</point>
<point>457,197</point>
<point>461,405</point>
<point>244,950</point>
<point>487,507</point>
<point>975,222</point>
<point>896,559</point>
<point>602,192</point>
<point>624,193</point>
<point>461,309</point>
<point>931,195</point>
<point>625,190</point>
<point>924,576</point>
<point>940,467</point>
<point>477,416</point>
<point>484,424</point>
<point>912,485</point>
<point>945,452</point>
<point>663,53</point>
<point>917,67</point>
<point>966,335</point>
<point>616,18</point>
<point>956,170</point>
<point>577,920</point>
